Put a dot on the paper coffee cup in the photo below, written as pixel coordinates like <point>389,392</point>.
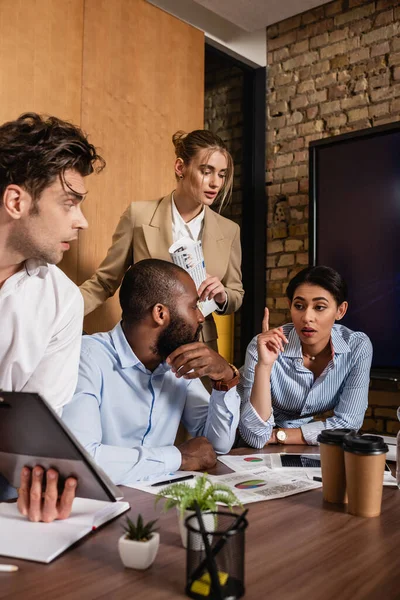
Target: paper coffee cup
<point>332,465</point>
<point>364,457</point>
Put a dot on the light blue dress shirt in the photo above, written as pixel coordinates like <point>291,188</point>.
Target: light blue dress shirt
<point>296,396</point>
<point>127,417</point>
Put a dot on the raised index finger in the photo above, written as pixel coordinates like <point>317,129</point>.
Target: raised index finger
<point>265,321</point>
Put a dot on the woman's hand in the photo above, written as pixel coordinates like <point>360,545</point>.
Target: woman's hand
<point>270,342</point>
<point>212,288</point>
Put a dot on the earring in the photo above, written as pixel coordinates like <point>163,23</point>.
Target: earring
<point>180,176</point>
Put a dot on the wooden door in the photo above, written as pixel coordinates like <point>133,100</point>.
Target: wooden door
<point>143,79</point>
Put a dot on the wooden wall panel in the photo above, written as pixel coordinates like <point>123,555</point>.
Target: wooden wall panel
<point>143,79</point>
<point>41,65</point>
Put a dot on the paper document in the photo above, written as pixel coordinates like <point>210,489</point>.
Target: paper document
<point>247,462</point>
<point>250,462</point>
<point>266,484</point>
<point>251,486</point>
<point>150,487</point>
<point>188,254</point>
<point>43,542</point>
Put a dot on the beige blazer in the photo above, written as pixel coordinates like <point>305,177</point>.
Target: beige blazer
<point>145,231</point>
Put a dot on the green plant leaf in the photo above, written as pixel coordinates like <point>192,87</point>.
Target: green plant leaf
<point>139,531</point>
<point>205,493</point>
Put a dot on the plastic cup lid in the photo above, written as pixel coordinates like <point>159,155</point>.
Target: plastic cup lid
<point>333,436</point>
<point>364,444</point>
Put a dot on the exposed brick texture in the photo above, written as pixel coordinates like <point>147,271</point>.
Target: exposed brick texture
<point>331,70</point>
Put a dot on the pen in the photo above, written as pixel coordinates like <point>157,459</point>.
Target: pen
<point>8,568</point>
<point>172,480</point>
<point>317,479</point>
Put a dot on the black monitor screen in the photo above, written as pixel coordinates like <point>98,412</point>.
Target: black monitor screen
<point>356,230</point>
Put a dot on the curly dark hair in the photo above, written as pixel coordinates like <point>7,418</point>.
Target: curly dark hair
<point>36,149</point>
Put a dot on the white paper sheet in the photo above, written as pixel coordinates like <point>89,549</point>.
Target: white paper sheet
<point>42,542</point>
<point>188,254</point>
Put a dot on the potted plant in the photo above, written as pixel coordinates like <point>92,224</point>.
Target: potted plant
<point>138,546</point>
<point>207,495</point>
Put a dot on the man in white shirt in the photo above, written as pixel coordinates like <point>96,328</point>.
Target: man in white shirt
<point>43,162</point>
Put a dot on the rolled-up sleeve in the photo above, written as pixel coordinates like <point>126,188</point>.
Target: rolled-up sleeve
<point>216,417</point>
<point>252,428</point>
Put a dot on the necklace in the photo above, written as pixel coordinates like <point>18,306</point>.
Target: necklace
<point>322,353</point>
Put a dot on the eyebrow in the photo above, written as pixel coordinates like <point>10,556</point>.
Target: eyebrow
<point>212,168</point>
<point>313,300</point>
<point>71,194</point>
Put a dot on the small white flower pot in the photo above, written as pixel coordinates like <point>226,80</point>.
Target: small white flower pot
<point>209,522</point>
<point>138,555</point>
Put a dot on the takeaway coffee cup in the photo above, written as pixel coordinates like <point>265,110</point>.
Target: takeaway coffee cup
<point>332,465</point>
<point>364,457</point>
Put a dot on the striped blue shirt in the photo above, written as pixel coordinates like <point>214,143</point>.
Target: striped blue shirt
<point>296,396</point>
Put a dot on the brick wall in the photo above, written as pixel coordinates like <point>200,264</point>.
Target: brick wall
<point>224,116</point>
<point>331,70</point>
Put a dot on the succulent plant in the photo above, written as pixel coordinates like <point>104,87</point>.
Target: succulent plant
<point>204,492</point>
<point>139,531</point>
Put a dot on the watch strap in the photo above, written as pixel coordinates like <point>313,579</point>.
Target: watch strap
<point>224,386</point>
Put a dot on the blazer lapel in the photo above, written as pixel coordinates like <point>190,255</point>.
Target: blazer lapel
<point>158,233</point>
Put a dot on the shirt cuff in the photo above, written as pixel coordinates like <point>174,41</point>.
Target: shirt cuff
<point>172,458</point>
<point>251,419</point>
<point>311,431</point>
<point>222,309</point>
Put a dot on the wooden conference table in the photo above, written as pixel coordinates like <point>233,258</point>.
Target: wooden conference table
<point>296,548</point>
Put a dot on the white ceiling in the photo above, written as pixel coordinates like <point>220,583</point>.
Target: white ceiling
<point>236,26</point>
<point>251,15</point>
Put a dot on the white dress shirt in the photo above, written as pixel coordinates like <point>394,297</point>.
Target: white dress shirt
<point>41,315</point>
<point>192,230</point>
<point>180,229</point>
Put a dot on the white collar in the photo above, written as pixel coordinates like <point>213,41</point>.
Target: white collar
<point>177,217</point>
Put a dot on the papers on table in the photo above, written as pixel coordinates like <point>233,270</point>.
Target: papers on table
<point>265,484</point>
<point>249,486</point>
<point>150,487</point>
<point>248,463</point>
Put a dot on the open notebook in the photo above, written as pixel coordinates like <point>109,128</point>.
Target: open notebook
<point>43,542</point>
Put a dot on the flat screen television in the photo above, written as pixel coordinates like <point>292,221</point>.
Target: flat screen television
<point>355,228</point>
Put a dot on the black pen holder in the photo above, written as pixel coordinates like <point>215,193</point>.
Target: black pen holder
<point>226,539</point>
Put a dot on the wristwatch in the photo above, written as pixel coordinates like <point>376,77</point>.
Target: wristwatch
<point>281,436</point>
<point>223,386</point>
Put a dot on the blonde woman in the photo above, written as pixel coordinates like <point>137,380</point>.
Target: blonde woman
<point>204,175</point>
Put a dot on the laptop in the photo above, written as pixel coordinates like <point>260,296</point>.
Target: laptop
<point>31,434</point>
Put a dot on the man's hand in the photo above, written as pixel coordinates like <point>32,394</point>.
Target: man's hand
<point>197,455</point>
<point>198,360</point>
<point>47,506</point>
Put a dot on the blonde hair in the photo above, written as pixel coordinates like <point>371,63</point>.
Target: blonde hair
<point>188,145</point>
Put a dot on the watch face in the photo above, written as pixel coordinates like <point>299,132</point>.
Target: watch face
<point>281,436</point>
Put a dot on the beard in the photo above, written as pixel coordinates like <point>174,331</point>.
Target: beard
<point>21,241</point>
<point>178,333</point>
